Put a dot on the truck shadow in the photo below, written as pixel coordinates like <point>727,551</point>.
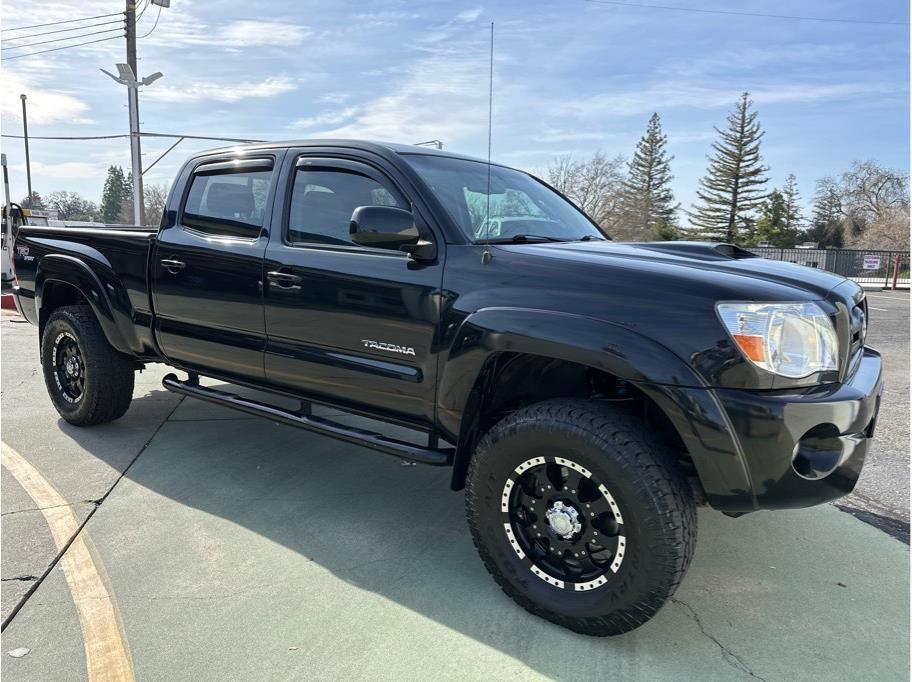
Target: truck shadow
<point>399,532</point>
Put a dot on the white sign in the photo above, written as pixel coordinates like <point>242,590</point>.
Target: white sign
<point>871,263</point>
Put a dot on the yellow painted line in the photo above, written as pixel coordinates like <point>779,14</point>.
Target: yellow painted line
<point>106,652</point>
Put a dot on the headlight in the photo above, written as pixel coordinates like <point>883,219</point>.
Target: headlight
<point>790,339</point>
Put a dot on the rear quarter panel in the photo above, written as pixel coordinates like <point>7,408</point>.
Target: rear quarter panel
<point>107,265</point>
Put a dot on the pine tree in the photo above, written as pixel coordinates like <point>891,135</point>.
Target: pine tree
<point>125,217</point>
<point>647,202</point>
<point>826,227</point>
<point>773,225</point>
<point>115,191</point>
<point>733,184</point>
<point>792,198</point>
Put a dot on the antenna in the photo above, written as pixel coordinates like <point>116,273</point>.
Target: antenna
<point>486,254</point>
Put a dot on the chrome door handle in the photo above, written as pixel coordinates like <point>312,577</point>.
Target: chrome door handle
<point>286,280</point>
<point>173,266</point>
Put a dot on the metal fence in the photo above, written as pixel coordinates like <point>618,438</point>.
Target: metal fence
<point>882,268</point>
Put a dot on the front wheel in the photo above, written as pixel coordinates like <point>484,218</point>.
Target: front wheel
<point>580,516</point>
<point>88,381</point>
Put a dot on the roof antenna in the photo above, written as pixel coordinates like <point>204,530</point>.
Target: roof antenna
<point>486,254</point>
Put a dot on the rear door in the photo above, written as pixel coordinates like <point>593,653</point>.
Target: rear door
<point>352,324</point>
<point>207,267</point>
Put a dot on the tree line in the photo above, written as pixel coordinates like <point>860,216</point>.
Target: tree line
<point>116,207</point>
<point>867,206</point>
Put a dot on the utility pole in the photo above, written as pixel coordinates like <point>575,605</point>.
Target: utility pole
<point>28,165</point>
<point>133,103</point>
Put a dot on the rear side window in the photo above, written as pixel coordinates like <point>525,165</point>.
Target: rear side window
<point>323,200</point>
<point>228,201</point>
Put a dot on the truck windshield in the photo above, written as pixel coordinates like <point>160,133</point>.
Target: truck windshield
<point>518,208</point>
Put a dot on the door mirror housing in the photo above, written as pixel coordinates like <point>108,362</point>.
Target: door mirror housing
<point>387,227</point>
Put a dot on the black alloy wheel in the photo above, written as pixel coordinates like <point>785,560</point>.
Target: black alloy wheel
<point>69,367</point>
<point>564,522</point>
<point>87,379</point>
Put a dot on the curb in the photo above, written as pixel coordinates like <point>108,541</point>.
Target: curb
<point>7,302</point>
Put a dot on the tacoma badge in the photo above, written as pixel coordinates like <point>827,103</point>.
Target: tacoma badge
<point>391,347</point>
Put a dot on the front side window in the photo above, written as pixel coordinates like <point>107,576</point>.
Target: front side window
<point>323,200</point>
<point>510,204</point>
<point>227,202</point>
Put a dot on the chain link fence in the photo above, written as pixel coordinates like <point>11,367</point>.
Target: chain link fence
<point>863,266</point>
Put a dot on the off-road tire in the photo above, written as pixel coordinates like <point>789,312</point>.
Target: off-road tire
<point>107,384</point>
<point>659,514</point>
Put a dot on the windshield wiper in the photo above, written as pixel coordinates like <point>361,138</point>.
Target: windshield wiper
<point>589,238</point>
<point>520,239</point>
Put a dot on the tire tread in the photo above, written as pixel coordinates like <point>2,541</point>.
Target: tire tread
<point>649,465</point>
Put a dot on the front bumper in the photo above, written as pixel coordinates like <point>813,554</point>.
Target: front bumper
<point>802,448</point>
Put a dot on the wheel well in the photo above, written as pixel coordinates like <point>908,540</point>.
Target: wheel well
<point>511,381</point>
<point>55,295</point>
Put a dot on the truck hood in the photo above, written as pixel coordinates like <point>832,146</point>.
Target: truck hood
<point>702,259</point>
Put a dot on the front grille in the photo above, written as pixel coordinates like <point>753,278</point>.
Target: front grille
<point>858,327</point>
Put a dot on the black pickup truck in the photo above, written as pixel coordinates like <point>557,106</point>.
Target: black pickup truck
<point>588,395</point>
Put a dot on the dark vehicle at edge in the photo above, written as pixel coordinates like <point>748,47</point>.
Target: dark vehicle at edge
<point>588,395</point>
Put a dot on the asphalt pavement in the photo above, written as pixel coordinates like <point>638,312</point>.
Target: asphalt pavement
<point>229,547</point>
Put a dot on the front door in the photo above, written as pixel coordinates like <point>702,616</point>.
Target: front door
<point>207,268</point>
<point>354,325</point>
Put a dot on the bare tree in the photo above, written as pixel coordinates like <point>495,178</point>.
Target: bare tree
<point>594,185</point>
<point>888,231</point>
<point>154,198</point>
<point>871,194</point>
<point>72,206</point>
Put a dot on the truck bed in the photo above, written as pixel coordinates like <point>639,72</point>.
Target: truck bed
<point>116,256</point>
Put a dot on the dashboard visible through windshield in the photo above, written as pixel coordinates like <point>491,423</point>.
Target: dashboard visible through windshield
<point>511,206</point>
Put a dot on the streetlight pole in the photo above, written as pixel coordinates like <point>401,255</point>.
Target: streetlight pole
<point>133,104</point>
<point>28,165</point>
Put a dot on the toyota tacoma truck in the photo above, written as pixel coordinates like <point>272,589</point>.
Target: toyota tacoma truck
<point>587,395</point>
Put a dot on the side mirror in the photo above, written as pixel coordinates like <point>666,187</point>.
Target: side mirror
<point>386,227</point>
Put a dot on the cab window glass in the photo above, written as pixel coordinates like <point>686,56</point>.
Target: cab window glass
<point>228,204</point>
<point>323,200</point>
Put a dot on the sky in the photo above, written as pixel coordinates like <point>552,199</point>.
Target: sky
<point>570,77</point>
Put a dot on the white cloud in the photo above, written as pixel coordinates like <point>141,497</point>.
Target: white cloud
<point>66,170</point>
<point>187,30</point>
<point>670,95</point>
<point>260,33</point>
<point>560,135</point>
<point>44,106</point>
<point>441,97</point>
<point>334,98</point>
<point>468,16</point>
<point>384,18</point>
<point>327,118</point>
<point>221,92</point>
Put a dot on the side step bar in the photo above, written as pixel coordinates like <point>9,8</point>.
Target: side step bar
<point>308,422</point>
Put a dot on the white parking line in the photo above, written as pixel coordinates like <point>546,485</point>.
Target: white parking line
<point>106,652</point>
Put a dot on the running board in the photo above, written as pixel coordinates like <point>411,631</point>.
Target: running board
<point>308,422</point>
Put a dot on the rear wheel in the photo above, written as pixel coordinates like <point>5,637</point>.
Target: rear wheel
<point>579,515</point>
<point>88,381</point>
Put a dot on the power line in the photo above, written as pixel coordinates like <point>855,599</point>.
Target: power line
<point>63,30</point>
<point>57,40</point>
<point>157,17</point>
<point>120,136</point>
<point>66,137</point>
<point>55,49</point>
<point>143,10</point>
<point>66,21</point>
<point>750,14</point>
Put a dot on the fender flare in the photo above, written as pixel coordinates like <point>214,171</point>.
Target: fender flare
<point>107,299</point>
<point>588,341</point>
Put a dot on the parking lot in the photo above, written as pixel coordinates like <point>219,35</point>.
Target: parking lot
<point>217,546</point>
